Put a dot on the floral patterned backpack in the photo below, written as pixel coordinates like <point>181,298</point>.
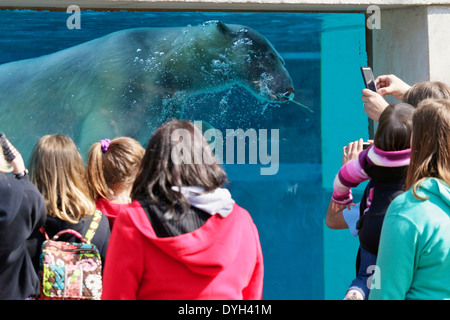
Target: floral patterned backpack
<point>71,271</point>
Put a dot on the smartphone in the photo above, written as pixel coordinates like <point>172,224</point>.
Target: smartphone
<point>368,78</point>
<point>366,145</point>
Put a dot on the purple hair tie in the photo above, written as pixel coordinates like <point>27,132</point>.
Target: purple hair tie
<point>105,144</point>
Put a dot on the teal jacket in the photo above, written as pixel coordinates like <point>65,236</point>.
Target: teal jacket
<point>414,252</point>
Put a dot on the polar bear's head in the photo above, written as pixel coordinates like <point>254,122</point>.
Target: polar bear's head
<point>257,64</point>
<point>215,54</point>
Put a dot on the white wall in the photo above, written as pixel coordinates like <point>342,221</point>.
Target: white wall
<point>413,43</point>
<point>439,42</point>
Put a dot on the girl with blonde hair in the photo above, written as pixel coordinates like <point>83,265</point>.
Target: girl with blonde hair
<point>111,168</point>
<point>57,170</point>
<point>414,254</point>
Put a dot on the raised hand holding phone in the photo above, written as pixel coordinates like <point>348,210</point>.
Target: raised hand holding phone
<point>391,85</point>
<point>374,103</point>
<point>369,79</point>
<point>13,157</point>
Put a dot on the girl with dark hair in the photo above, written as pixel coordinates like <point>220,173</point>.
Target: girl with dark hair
<point>414,252</point>
<point>183,235</point>
<point>385,164</point>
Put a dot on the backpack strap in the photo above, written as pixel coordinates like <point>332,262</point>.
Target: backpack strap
<point>42,230</point>
<point>70,231</point>
<point>94,225</point>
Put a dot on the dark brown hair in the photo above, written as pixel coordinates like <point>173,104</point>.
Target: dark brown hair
<point>426,90</point>
<point>172,160</point>
<point>394,128</point>
<point>430,150</point>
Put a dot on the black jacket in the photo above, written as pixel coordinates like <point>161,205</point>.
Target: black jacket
<point>387,183</point>
<point>22,213</point>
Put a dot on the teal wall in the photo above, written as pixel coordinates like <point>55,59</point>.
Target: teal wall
<point>343,52</point>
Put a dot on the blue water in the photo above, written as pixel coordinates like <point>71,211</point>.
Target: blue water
<point>289,207</point>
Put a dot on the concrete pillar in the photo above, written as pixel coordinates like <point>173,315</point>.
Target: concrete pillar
<point>413,43</point>
<point>439,43</point>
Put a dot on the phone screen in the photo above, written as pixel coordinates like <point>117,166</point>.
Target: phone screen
<point>369,80</point>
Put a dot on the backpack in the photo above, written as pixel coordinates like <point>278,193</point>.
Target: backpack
<point>71,270</point>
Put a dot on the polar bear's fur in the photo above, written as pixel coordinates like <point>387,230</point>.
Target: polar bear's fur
<point>120,84</point>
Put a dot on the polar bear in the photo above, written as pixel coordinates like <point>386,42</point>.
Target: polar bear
<point>130,81</point>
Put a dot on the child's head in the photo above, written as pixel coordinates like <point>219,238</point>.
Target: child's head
<point>113,165</point>
<point>57,170</point>
<point>430,149</point>
<point>426,90</point>
<point>172,160</point>
<point>394,127</point>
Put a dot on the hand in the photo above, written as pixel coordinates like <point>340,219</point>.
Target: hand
<point>339,207</point>
<point>374,104</point>
<point>12,155</point>
<point>392,85</point>
<point>352,151</point>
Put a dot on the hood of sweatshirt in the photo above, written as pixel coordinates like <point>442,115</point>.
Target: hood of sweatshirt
<point>218,201</point>
<point>206,250</point>
<point>110,209</point>
<point>437,187</point>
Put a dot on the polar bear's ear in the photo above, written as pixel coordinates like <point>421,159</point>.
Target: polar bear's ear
<point>223,28</point>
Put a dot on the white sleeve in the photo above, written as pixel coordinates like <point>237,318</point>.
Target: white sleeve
<point>351,217</point>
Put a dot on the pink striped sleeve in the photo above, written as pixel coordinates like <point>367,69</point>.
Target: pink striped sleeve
<point>350,176</point>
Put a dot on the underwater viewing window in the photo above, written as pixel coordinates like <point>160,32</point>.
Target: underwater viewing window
<point>283,98</point>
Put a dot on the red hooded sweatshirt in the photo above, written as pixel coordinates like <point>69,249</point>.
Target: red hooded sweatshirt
<point>110,209</point>
<point>220,260</point>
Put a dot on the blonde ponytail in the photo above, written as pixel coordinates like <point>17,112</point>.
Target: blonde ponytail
<point>113,164</point>
<point>94,173</point>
